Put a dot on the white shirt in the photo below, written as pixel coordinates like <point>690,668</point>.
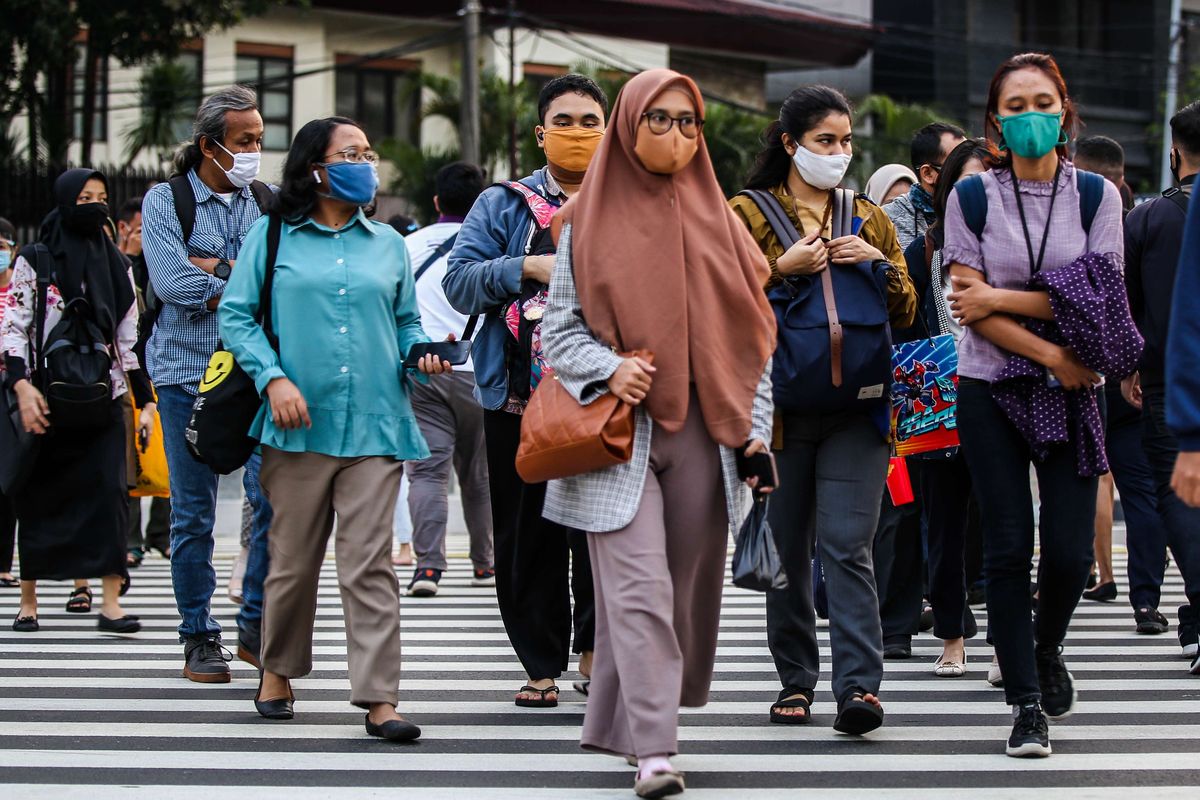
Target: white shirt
<point>438,317</point>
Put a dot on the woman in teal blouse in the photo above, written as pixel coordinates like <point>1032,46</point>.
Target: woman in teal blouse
<point>338,424</point>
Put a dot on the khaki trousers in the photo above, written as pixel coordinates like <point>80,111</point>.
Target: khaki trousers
<point>307,490</point>
<point>658,599</point>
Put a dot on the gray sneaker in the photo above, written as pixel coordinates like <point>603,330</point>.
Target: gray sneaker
<point>205,660</point>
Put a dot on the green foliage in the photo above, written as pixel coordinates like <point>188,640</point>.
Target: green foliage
<point>167,99</point>
<point>891,126</point>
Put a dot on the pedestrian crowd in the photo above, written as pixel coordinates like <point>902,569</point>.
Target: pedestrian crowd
<point>620,366</point>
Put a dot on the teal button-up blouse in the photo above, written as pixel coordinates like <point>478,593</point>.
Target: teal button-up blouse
<point>344,308</point>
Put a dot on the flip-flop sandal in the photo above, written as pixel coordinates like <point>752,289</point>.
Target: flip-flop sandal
<point>792,697</point>
<point>582,686</point>
<point>856,716</point>
<point>543,702</point>
<point>80,601</point>
<point>10,583</point>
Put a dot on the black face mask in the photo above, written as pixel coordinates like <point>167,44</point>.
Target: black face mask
<point>85,219</point>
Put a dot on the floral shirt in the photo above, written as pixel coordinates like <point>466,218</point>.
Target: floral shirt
<point>17,326</point>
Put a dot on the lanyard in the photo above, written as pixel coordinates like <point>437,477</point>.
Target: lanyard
<point>1036,266</point>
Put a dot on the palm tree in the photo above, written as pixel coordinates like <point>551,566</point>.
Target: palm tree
<point>168,95</point>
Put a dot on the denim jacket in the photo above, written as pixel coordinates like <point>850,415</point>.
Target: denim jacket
<point>485,274</point>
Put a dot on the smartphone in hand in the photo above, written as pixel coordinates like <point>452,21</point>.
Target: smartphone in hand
<point>759,465</point>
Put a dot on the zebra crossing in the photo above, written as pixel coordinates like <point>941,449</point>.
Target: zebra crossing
<point>112,717</point>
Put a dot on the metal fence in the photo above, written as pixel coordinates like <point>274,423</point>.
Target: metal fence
<point>27,192</point>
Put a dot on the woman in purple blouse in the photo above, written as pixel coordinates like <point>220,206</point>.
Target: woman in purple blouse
<point>1034,222</point>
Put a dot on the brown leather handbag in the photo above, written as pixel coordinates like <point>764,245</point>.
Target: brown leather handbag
<point>561,438</point>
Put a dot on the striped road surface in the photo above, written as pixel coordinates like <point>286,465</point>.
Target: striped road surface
<point>82,715</point>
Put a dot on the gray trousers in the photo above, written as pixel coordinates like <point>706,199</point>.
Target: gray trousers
<point>832,470</point>
<point>658,599</point>
<point>452,423</point>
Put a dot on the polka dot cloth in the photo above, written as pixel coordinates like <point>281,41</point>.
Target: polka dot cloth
<point>1091,316</point>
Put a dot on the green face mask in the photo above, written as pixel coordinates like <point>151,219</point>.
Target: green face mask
<point>1032,134</point>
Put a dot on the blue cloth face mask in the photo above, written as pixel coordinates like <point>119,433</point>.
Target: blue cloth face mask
<point>352,182</point>
<point>1032,134</point>
<point>5,260</point>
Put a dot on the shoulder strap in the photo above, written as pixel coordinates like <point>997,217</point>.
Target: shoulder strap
<point>542,209</point>
<point>274,229</point>
<point>972,199</point>
<point>1178,197</point>
<point>438,252</point>
<point>262,195</point>
<point>1091,192</point>
<point>185,204</point>
<point>41,266</point>
<point>842,224</point>
<point>777,218</point>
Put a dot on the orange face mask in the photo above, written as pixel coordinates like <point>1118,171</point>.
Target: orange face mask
<point>664,154</point>
<point>571,149</point>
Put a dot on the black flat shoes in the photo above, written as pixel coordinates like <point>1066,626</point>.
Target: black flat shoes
<point>395,730</point>
<point>126,624</point>
<point>26,625</point>
<point>279,708</point>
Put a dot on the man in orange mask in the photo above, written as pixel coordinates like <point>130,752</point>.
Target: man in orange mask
<point>499,269</point>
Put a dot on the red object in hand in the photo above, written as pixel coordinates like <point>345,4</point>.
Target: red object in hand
<point>898,482</point>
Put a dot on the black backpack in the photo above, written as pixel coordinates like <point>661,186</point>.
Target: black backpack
<point>72,365</point>
<point>218,433</point>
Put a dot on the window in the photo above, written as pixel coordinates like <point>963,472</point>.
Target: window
<point>78,78</point>
<point>192,61</point>
<point>382,95</point>
<point>268,70</point>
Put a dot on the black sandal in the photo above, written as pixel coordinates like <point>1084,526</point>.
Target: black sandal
<point>133,559</point>
<point>583,687</point>
<point>126,582</point>
<point>25,624</point>
<point>80,601</point>
<point>544,702</point>
<point>792,697</point>
<point>856,716</point>
<point>10,583</point>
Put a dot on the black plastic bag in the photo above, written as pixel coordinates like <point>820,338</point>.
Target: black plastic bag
<point>756,563</point>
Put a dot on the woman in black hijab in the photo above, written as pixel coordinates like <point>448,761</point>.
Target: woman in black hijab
<point>73,510</point>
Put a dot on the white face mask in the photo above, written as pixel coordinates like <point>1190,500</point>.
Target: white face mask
<point>245,167</point>
<point>820,172</point>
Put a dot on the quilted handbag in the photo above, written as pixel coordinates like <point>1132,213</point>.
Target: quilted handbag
<point>561,438</point>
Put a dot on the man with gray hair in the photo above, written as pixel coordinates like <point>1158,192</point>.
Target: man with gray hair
<point>192,229</point>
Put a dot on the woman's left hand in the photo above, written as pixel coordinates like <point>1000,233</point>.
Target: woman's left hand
<point>852,250</point>
<point>755,447</point>
<point>971,300</point>
<point>146,422</point>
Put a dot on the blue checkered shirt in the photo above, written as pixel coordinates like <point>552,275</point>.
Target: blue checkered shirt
<point>186,334</point>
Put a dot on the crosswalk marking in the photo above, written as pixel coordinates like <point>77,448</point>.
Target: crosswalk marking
<point>112,714</point>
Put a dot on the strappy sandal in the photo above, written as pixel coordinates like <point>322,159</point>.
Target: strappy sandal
<point>133,558</point>
<point>856,716</point>
<point>543,702</point>
<point>792,697</point>
<point>10,583</point>
<point>80,601</point>
<point>126,582</point>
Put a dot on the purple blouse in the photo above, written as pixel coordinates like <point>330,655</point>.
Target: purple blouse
<point>1001,254</point>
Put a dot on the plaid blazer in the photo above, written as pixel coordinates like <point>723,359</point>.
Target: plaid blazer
<point>608,499</point>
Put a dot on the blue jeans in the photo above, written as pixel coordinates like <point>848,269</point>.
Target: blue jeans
<point>193,515</point>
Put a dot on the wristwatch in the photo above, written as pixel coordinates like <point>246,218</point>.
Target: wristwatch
<point>222,270</point>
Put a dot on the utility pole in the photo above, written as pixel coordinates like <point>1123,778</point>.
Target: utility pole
<point>1175,34</point>
<point>468,127</point>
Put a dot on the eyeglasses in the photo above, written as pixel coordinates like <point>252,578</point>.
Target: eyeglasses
<point>660,123</point>
<point>356,156</point>
<point>936,167</point>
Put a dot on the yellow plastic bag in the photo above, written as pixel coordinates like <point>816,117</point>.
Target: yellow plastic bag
<point>150,460</point>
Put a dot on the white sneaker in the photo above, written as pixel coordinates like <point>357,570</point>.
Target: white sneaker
<point>994,676</point>
<point>237,574</point>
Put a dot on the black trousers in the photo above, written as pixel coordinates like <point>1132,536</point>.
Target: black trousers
<point>999,459</point>
<point>158,529</point>
<point>1181,521</point>
<point>946,493</point>
<point>539,564</point>
<point>8,533</point>
<point>899,560</point>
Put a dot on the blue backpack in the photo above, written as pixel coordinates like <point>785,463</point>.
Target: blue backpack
<point>972,199</point>
<point>834,350</point>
